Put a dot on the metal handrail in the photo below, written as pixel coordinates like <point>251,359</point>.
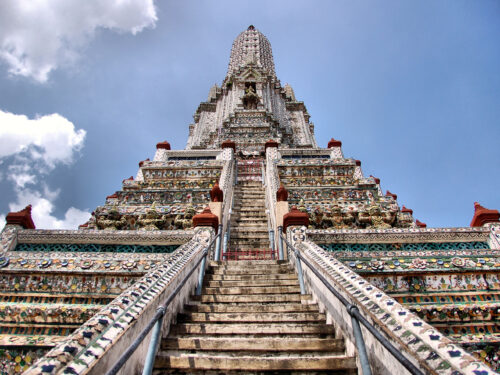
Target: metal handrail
<point>270,203</point>
<point>227,232</point>
<point>156,322</point>
<point>356,318</point>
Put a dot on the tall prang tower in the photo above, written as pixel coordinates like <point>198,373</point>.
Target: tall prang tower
<point>251,107</point>
<point>253,250</point>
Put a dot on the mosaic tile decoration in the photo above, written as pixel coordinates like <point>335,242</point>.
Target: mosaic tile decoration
<point>77,353</point>
<point>433,349</point>
<point>96,248</point>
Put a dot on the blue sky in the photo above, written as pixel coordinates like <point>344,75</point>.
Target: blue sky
<point>412,89</point>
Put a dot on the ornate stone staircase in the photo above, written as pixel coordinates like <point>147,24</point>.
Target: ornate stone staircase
<point>249,231</point>
<point>252,319</point>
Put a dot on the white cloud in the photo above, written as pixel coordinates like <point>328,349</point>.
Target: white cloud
<point>42,209</point>
<point>53,136</point>
<point>22,179</point>
<point>38,36</point>
<point>33,148</point>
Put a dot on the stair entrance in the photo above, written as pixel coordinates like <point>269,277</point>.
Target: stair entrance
<point>252,319</point>
<point>249,229</point>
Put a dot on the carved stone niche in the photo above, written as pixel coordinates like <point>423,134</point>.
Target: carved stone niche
<point>250,99</point>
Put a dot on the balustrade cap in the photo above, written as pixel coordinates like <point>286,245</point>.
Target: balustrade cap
<point>295,218</point>
<point>420,224</point>
<point>206,219</point>
<point>271,143</point>
<point>228,144</point>
<point>216,194</point>
<point>163,145</point>
<point>22,218</point>
<point>334,143</point>
<point>281,194</point>
<point>484,215</point>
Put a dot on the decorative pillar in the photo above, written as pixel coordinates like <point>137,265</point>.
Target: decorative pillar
<point>336,147</point>
<point>281,205</point>
<point>216,197</point>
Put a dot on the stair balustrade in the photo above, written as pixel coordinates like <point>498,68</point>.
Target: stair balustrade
<point>156,321</point>
<point>356,316</point>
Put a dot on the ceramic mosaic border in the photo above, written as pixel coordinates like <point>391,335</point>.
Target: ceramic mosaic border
<point>424,342</point>
<point>81,262</point>
<point>82,349</point>
<point>409,235</point>
<point>125,237</point>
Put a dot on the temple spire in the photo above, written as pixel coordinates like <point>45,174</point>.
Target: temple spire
<point>251,47</point>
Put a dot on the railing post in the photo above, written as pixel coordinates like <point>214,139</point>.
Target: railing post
<point>224,248</point>
<point>360,342</point>
<point>218,244</point>
<point>299,271</point>
<point>201,275</point>
<point>271,239</point>
<point>280,242</point>
<point>202,269</point>
<point>155,337</point>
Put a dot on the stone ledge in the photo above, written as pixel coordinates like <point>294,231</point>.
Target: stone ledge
<point>126,237</point>
<point>409,235</point>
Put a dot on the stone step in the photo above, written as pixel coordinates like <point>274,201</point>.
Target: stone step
<point>249,241</point>
<point>247,278</point>
<point>254,298</point>
<point>243,265</point>
<point>296,317</point>
<point>260,194</point>
<point>241,222</point>
<point>248,262</point>
<point>229,284</point>
<point>268,344</point>
<point>250,238</point>
<point>248,256</point>
<point>252,290</point>
<point>257,198</point>
<point>244,210</point>
<point>249,184</point>
<point>245,200</point>
<point>254,329</point>
<point>260,215</point>
<point>254,307</point>
<point>252,243</point>
<point>238,270</point>
<point>244,372</point>
<point>287,361</point>
<point>248,215</point>
<point>262,228</point>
